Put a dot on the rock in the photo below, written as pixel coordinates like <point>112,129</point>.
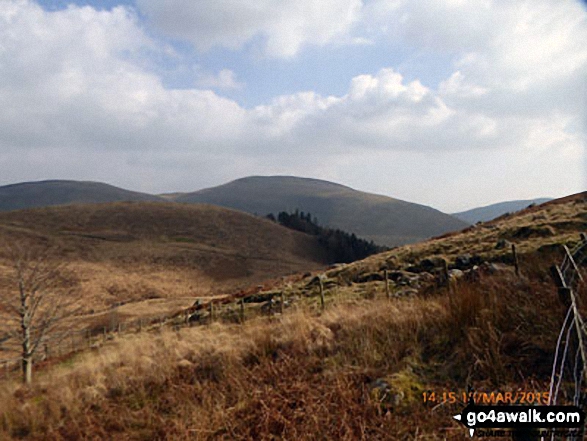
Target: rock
<point>466,261</point>
<point>259,298</point>
<point>195,317</point>
<point>381,392</point>
<point>426,278</point>
<point>406,292</point>
<point>429,265</point>
<point>493,268</point>
<point>369,277</point>
<point>391,263</point>
<point>463,261</point>
<point>415,269</point>
<point>455,274</point>
<point>503,244</point>
<point>432,263</point>
<point>326,282</point>
<point>395,275</point>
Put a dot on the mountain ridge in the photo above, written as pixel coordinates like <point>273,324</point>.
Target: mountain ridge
<point>53,192</point>
<point>492,211</point>
<point>383,219</point>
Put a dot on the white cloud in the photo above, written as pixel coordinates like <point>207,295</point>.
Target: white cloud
<point>283,27</point>
<point>77,96</point>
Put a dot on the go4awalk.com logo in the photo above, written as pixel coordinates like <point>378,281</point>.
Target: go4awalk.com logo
<point>520,418</point>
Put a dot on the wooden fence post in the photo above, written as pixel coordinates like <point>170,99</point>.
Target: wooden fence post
<point>211,311</point>
<point>281,302</point>
<point>242,310</point>
<point>321,292</point>
<point>386,276</point>
<point>516,262</point>
<point>445,273</point>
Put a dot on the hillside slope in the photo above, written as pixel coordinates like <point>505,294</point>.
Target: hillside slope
<point>58,192</point>
<point>382,219</point>
<point>132,251</point>
<point>370,364</point>
<point>489,212</point>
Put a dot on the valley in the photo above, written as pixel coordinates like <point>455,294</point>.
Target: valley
<point>316,371</point>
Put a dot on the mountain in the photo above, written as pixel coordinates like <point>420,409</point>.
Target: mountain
<point>489,212</point>
<point>384,220</point>
<point>58,192</point>
<point>133,251</point>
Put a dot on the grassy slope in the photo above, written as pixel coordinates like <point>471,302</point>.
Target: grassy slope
<point>306,375</point>
<point>382,219</point>
<point>46,193</point>
<point>125,252</point>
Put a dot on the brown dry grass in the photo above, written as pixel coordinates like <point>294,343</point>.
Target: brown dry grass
<point>133,252</point>
<point>306,375</point>
<point>543,228</point>
<point>302,375</point>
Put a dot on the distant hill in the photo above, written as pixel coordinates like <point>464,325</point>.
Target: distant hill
<point>384,220</point>
<point>57,192</point>
<point>489,212</point>
<point>131,251</point>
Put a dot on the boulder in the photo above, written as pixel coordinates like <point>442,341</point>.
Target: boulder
<point>467,261</point>
<point>406,292</point>
<point>195,317</point>
<point>429,265</point>
<point>381,392</point>
<point>259,298</point>
<point>369,277</point>
<point>455,274</point>
<point>503,244</point>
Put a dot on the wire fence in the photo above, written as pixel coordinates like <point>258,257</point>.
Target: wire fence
<point>233,309</point>
<point>571,349</point>
<point>72,342</point>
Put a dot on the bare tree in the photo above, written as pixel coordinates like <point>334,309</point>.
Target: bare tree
<point>36,296</point>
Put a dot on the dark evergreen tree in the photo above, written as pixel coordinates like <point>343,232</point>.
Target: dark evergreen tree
<point>341,247</point>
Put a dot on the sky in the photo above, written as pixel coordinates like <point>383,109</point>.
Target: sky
<point>449,103</point>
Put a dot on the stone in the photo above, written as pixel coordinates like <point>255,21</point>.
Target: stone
<point>455,274</point>
<point>503,244</point>
<point>466,261</point>
<point>406,292</point>
<point>381,392</point>
<point>370,277</point>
